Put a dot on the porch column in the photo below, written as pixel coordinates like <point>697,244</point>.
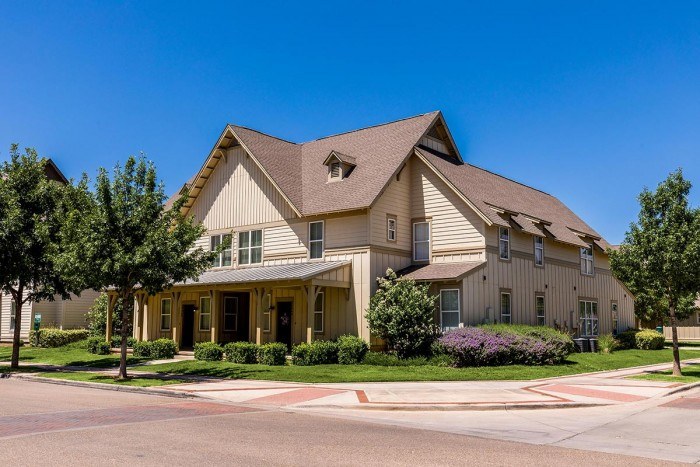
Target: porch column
<point>175,317</point>
<point>214,316</point>
<point>138,321</point>
<point>259,295</point>
<point>111,299</point>
<point>311,292</point>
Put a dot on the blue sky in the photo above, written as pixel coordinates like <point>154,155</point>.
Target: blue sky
<point>585,100</point>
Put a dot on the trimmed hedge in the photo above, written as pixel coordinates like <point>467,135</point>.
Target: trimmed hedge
<point>52,337</point>
<point>649,339</point>
<point>351,349</point>
<point>506,345</point>
<point>315,353</point>
<point>98,346</point>
<point>208,351</point>
<point>241,352</point>
<point>157,349</point>
<point>627,340</point>
<point>117,342</point>
<point>274,353</point>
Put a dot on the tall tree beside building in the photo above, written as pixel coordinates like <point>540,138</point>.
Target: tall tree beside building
<point>659,259</point>
<point>32,209</point>
<point>130,242</point>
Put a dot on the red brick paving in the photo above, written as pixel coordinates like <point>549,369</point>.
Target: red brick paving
<point>294,397</point>
<point>597,393</point>
<point>18,425</point>
<point>692,403</point>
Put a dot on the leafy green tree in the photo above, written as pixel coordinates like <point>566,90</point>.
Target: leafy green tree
<point>97,318</point>
<point>128,241</point>
<point>402,313</point>
<point>659,260</point>
<point>32,210</point>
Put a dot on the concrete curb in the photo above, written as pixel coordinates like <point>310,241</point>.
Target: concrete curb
<point>450,407</point>
<point>686,387</point>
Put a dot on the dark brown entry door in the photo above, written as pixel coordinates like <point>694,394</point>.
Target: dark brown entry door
<point>236,316</point>
<point>284,323</point>
<point>187,326</point>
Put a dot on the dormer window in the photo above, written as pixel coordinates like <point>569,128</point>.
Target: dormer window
<point>339,166</point>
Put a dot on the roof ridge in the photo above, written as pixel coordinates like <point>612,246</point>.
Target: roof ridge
<point>233,125</point>
<point>511,180</point>
<point>370,126</point>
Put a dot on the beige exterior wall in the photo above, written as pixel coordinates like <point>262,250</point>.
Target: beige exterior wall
<point>394,202</point>
<point>688,329</point>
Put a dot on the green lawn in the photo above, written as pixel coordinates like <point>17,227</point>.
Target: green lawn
<point>97,378</point>
<point>69,355</point>
<point>577,363</point>
<point>691,374</point>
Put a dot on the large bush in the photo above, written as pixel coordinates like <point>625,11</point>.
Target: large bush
<point>649,339</point>
<point>498,345</point>
<point>627,340</point>
<point>98,346</point>
<point>157,349</point>
<point>97,318</point>
<point>52,337</point>
<point>274,353</point>
<point>208,351</point>
<point>315,353</point>
<point>351,349</point>
<point>241,352</point>
<point>403,314</point>
<point>117,342</point>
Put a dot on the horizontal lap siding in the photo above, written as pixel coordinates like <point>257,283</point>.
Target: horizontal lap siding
<point>75,310</point>
<point>27,316</point>
<point>285,240</point>
<point>346,232</point>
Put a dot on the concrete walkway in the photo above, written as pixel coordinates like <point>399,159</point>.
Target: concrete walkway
<point>598,389</point>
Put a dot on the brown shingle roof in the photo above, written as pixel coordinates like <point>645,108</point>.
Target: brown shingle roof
<point>439,271</point>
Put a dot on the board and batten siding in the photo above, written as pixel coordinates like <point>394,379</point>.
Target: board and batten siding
<point>395,202</point>
<point>238,193</point>
<point>454,225</point>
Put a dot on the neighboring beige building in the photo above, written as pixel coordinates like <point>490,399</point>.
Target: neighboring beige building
<point>314,224</point>
<point>64,314</point>
<point>688,329</point>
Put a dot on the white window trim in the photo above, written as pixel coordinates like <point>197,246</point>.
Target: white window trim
<point>544,310</point>
<point>510,307</point>
<point>221,255</point>
<point>615,318</point>
<point>322,312</point>
<point>169,315</point>
<point>538,247</point>
<point>587,259</point>
<point>250,247</point>
<point>458,311</point>
<point>235,313</point>
<point>267,315</point>
<point>322,241</point>
<point>507,242</point>
<point>428,241</point>
<point>584,320</point>
<point>389,230</point>
<point>201,313</point>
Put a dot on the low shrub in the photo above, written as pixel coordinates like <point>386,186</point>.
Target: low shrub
<point>607,343</point>
<point>301,354</point>
<point>117,342</point>
<point>351,349</point>
<point>315,353</point>
<point>274,353</point>
<point>157,349</point>
<point>208,351</point>
<point>627,340</point>
<point>648,339</point>
<point>98,346</point>
<point>241,352</point>
<point>53,337</point>
<point>506,345</point>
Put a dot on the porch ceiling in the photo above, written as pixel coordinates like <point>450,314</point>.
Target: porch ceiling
<point>284,273</point>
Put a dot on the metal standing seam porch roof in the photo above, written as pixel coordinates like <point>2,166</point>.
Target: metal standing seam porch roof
<point>287,272</point>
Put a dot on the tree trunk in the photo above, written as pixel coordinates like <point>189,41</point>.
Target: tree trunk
<point>674,336</point>
<point>127,305</point>
<point>14,362</point>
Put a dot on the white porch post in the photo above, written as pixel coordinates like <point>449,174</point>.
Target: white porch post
<point>214,316</point>
<point>259,295</point>
<point>138,321</point>
<point>175,317</point>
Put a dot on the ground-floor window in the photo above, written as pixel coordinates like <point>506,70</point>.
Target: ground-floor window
<point>505,308</point>
<point>539,307</point>
<point>614,318</point>
<point>165,314</point>
<point>266,314</point>
<point>204,313</point>
<point>13,315</point>
<point>588,317</point>
<point>318,313</point>
<point>230,313</point>
<point>449,309</point>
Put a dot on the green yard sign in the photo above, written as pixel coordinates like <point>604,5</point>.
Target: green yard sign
<point>37,321</point>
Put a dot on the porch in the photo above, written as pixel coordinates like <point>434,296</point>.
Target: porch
<point>287,303</point>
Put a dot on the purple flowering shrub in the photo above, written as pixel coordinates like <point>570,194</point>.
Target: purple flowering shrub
<point>491,346</point>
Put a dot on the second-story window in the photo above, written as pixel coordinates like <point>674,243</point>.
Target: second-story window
<point>391,229</point>
<point>539,251</point>
<point>504,243</point>
<point>224,258</point>
<point>587,260</point>
<point>421,241</point>
<point>250,247</point>
<point>316,240</point>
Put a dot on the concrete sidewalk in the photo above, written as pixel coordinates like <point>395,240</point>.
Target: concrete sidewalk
<point>598,389</point>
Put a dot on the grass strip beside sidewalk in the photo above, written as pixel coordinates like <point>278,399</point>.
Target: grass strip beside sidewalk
<point>89,377</point>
